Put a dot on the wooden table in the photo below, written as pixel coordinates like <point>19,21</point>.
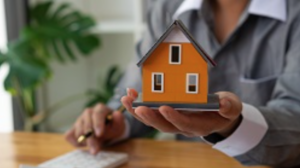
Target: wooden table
<point>32,149</point>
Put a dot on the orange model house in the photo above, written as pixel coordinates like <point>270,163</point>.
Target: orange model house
<point>175,70</point>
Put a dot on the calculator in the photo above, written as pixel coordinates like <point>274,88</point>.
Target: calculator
<point>83,159</point>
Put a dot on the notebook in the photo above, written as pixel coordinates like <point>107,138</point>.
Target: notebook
<point>82,159</point>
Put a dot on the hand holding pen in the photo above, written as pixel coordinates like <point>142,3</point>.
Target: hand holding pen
<point>108,120</point>
<point>95,126</point>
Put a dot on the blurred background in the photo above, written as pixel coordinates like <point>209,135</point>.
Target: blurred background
<point>58,57</point>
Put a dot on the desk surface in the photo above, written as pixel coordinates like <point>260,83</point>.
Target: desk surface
<point>32,149</point>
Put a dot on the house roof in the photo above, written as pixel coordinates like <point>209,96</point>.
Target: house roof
<point>180,25</point>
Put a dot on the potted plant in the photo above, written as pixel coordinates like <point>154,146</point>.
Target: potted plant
<point>52,34</point>
<point>106,87</point>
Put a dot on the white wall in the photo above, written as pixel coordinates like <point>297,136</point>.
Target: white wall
<point>6,122</point>
<point>83,75</point>
<point>117,48</point>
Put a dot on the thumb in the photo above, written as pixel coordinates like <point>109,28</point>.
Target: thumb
<point>225,108</point>
<point>132,93</point>
<point>230,105</point>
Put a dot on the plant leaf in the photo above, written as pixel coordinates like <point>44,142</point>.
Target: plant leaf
<point>60,29</point>
<point>86,44</point>
<point>68,50</point>
<point>25,71</point>
<point>70,17</point>
<point>59,11</point>
<point>81,25</point>
<point>39,12</point>
<point>112,79</point>
<point>57,52</point>
<point>96,97</point>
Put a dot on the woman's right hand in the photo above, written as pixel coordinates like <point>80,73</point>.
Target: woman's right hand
<point>94,119</point>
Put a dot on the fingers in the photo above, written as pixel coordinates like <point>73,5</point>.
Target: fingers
<point>100,112</point>
<point>191,123</point>
<point>230,105</point>
<point>93,145</point>
<point>91,119</point>
<point>71,138</point>
<point>94,119</point>
<point>87,121</point>
<point>132,93</point>
<point>127,102</point>
<point>179,120</point>
<point>155,119</point>
<point>79,127</point>
<point>129,99</point>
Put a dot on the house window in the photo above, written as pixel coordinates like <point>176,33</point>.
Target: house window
<point>192,83</point>
<point>157,82</point>
<point>175,54</point>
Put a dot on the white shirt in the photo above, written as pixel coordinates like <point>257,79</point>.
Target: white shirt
<point>253,126</point>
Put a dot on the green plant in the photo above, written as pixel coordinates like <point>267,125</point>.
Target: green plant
<point>106,89</point>
<point>53,33</point>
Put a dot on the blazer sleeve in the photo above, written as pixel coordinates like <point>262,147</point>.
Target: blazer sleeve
<point>280,146</point>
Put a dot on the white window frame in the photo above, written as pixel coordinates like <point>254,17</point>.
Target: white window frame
<point>162,82</point>
<point>6,113</point>
<point>170,54</point>
<point>187,83</point>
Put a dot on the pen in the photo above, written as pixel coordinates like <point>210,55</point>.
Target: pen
<point>108,120</point>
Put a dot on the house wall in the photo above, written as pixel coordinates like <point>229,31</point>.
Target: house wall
<point>175,75</point>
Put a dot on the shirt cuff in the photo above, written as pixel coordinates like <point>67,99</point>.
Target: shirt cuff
<point>248,135</point>
<point>125,135</point>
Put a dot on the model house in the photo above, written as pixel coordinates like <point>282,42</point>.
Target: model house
<point>175,69</point>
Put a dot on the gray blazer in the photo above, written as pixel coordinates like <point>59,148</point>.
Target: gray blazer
<point>260,63</point>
